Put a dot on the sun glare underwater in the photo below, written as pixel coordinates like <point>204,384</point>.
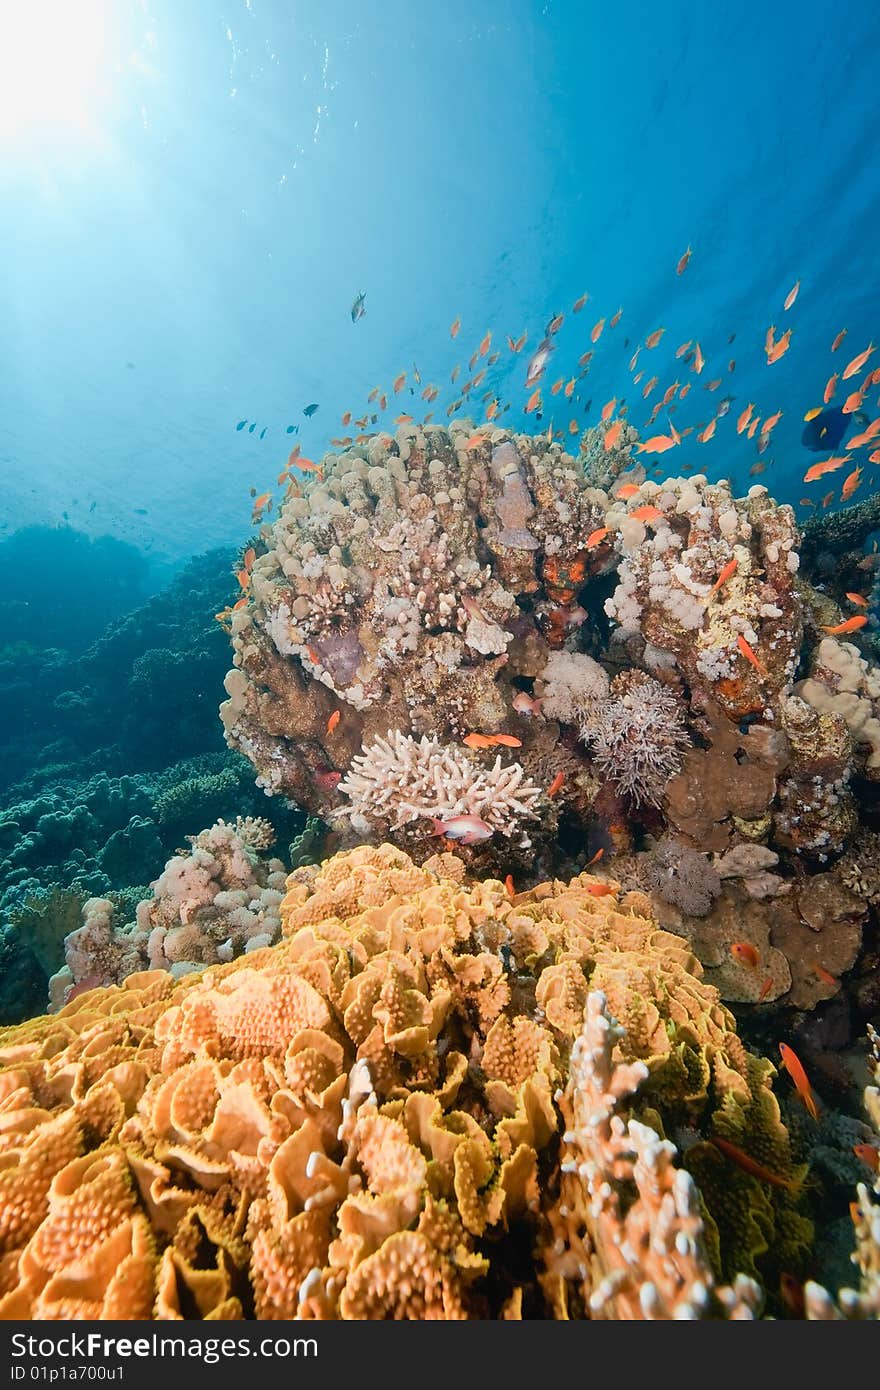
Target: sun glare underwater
<point>440,684</point>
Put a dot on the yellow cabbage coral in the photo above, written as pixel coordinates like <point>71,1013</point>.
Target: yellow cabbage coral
<point>362,1121</point>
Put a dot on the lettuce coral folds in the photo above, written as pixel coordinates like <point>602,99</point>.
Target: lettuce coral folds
<point>426,1101</point>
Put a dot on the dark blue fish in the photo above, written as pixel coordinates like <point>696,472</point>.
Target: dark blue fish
<point>263,431</point>
<point>293,429</point>
<point>141,511</point>
<point>827,429</point>
<point>252,427</point>
<point>241,424</point>
<point>310,409</point>
<point>357,308</point>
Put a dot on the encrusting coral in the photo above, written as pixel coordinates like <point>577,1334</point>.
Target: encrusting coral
<point>209,904</point>
<point>387,1115</point>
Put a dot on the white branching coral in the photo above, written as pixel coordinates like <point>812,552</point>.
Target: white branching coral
<point>637,736</point>
<point>636,1235</point>
<point>401,779</point>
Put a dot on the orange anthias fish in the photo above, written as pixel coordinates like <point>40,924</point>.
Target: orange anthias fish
<point>556,785</point>
<point>333,721</point>
<point>596,333</point>
<point>839,339</point>
<point>794,1067</point>
<point>699,359</point>
<point>249,557</point>
<point>612,434</point>
<point>569,388</point>
<point>765,989</point>
<point>683,261</point>
<point>596,857</point>
<point>744,953</point>
<point>858,440</point>
<point>485,344</point>
<point>853,402</point>
<point>869,1154</point>
<point>398,383</point>
<point>771,422</point>
<point>243,578</point>
<point>705,435</point>
<point>476,741</point>
<point>851,482</point>
<point>824,975</point>
<point>858,599</point>
<point>858,362</point>
<point>753,427</point>
<point>508,884</point>
<point>751,1165</point>
<point>596,537</point>
<point>557,386</point>
<point>851,625</point>
<point>749,655</point>
<point>792,295</point>
<point>744,418</point>
<point>818,470</point>
<point>308,466</point>
<point>534,401</point>
<point>780,347</point>
<point>615,319</point>
<point>453,332</point>
<point>579,304</point>
<point>830,387</point>
<point>649,387</point>
<point>527,704</point>
<point>726,573</point>
<point>505,741</point>
<point>653,338</point>
<point>628,490</point>
<point>608,410</point>
<point>599,890</point>
<point>657,444</point>
<point>682,349</point>
<point>647,513</point>
<point>475,441</point>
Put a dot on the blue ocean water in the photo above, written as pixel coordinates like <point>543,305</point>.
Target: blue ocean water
<point>191,197</point>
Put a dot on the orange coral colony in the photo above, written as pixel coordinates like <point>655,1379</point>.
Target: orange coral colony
<point>364,1121</point>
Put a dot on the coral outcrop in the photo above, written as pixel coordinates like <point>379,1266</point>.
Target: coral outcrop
<point>210,904</point>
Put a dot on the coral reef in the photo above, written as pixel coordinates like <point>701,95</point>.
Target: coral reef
<point>210,904</point>
<point>636,734</point>
<point>418,588</point>
<point>864,1302</point>
<point>413,1106</point>
<point>647,1259</point>
<point>437,585</point>
<point>401,782</point>
<point>97,838</point>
